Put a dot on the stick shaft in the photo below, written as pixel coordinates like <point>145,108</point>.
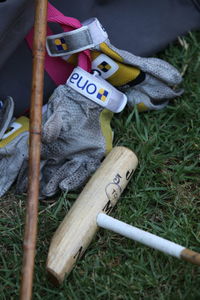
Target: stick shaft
<point>147,238</point>
<point>30,234</point>
<point>139,235</point>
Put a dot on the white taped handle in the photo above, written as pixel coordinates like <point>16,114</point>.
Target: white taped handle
<point>139,235</point>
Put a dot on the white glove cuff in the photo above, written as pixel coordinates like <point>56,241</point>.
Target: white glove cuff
<point>88,36</point>
<point>97,89</point>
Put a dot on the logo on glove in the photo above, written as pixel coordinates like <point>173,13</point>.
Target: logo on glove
<point>102,94</point>
<point>86,87</point>
<point>60,44</point>
<point>97,89</point>
<point>104,66</point>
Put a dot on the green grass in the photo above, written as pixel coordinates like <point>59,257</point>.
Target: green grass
<point>162,197</point>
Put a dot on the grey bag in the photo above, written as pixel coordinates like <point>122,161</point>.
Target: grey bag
<point>16,19</point>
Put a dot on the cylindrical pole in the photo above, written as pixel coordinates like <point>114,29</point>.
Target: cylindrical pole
<point>30,234</point>
<point>148,238</point>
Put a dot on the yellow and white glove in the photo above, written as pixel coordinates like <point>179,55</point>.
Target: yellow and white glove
<point>6,114</point>
<point>76,132</point>
<point>13,152</point>
<point>147,82</point>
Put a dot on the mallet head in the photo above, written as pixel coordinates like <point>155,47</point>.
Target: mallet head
<point>79,226</point>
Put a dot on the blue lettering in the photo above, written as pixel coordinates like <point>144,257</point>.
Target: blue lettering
<point>74,76</point>
<point>84,85</point>
<point>91,88</point>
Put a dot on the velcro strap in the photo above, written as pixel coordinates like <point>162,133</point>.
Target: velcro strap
<point>95,88</point>
<point>88,36</point>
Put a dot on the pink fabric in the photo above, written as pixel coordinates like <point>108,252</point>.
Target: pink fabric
<point>56,16</point>
<point>58,69</point>
<point>69,24</point>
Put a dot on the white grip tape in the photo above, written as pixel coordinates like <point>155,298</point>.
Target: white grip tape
<point>97,89</point>
<point>139,235</point>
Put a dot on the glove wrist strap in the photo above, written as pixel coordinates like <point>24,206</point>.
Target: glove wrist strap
<point>88,36</point>
<point>97,89</point>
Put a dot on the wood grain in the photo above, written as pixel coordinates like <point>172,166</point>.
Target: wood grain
<point>30,234</point>
<point>79,226</point>
<point>190,256</point>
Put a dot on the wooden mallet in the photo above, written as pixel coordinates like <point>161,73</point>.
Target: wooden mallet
<point>90,212</point>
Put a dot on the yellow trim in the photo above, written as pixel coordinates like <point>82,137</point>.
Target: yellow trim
<point>106,50</point>
<point>125,73</point>
<point>95,54</point>
<point>105,119</point>
<point>24,121</point>
<point>73,59</point>
<point>142,107</point>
